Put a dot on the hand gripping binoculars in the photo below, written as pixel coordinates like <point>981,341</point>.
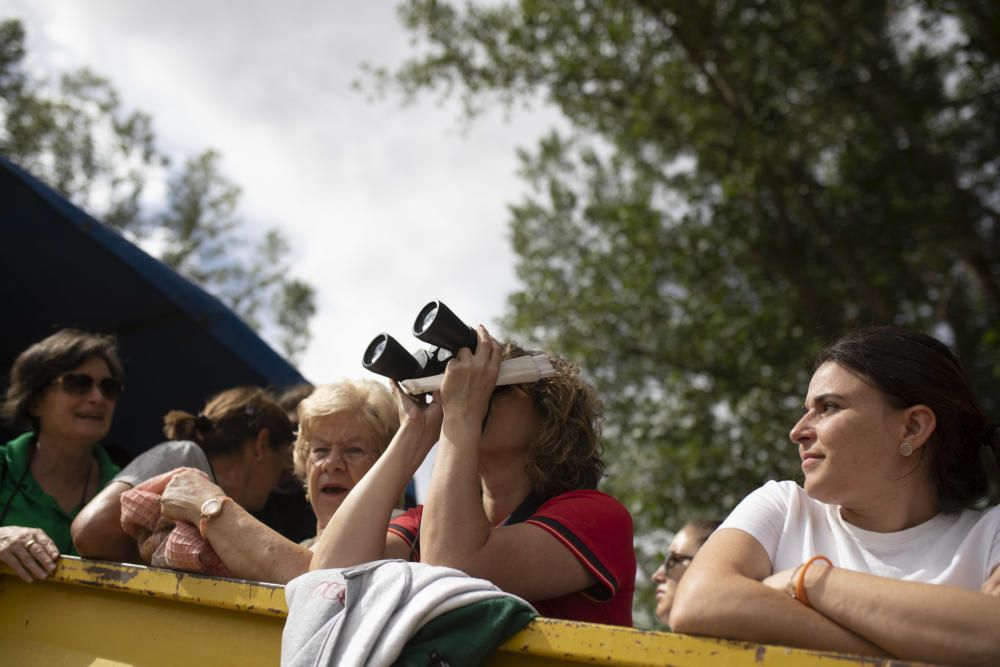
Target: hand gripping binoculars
<point>435,325</point>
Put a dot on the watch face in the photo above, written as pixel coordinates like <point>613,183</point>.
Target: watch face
<point>211,507</point>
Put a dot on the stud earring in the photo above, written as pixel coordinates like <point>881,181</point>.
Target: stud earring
<point>905,449</point>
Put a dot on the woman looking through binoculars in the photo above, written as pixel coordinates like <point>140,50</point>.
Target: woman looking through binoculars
<point>512,497</point>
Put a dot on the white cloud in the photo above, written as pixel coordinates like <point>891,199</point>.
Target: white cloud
<point>386,206</point>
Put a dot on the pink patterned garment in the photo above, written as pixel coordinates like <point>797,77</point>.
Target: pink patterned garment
<point>164,543</point>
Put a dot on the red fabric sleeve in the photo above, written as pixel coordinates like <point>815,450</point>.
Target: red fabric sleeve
<point>597,529</point>
<point>406,526</point>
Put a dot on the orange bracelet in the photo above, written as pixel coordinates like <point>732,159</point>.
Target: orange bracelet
<point>790,586</point>
<point>800,579</point>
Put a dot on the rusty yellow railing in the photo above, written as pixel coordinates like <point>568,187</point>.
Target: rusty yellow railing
<point>100,613</point>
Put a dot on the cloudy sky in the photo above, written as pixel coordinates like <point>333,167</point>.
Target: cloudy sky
<point>386,206</point>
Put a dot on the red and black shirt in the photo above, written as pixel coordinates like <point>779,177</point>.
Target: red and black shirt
<point>597,530</point>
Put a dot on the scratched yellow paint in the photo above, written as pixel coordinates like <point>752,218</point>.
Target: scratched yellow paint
<point>551,642</point>
<point>97,613</point>
<point>110,614</point>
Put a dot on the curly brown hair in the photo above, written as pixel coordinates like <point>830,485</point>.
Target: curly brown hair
<point>566,453</point>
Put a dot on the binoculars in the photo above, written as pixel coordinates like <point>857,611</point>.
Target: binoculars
<point>436,325</point>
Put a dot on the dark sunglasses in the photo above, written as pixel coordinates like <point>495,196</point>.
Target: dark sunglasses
<point>675,559</point>
<point>80,384</point>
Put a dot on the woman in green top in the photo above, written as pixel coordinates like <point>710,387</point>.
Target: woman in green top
<point>64,389</point>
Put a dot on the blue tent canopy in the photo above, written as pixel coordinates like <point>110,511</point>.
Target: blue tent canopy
<point>60,268</point>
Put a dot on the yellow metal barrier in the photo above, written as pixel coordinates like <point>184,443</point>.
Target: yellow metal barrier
<point>100,613</point>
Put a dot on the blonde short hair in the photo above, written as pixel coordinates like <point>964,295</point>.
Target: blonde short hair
<point>369,400</point>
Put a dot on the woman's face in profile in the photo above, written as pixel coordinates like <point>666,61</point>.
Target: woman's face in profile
<point>341,449</point>
<point>682,549</point>
<point>68,413</point>
<point>848,438</point>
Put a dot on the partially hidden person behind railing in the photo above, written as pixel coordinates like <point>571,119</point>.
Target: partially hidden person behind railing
<point>287,508</point>
<point>512,497</point>
<point>686,543</point>
<point>883,551</point>
<point>344,426</point>
<point>291,398</point>
<point>64,390</point>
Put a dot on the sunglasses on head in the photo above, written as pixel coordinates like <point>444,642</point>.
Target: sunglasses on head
<point>80,384</point>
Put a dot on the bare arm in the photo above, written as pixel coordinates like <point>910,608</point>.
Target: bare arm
<point>250,549</point>
<point>992,585</point>
<point>522,559</point>
<point>721,595</point>
<point>455,530</point>
<point>97,529</point>
<point>911,620</point>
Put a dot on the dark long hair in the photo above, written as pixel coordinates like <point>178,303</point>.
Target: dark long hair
<point>912,368</point>
<point>41,363</point>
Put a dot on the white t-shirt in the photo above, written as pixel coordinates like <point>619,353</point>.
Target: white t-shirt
<point>956,549</point>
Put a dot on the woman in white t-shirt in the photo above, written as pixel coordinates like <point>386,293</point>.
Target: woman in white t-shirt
<point>890,442</point>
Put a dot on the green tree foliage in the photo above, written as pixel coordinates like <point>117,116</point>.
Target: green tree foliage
<point>742,181</point>
<point>201,233</point>
<point>77,136</point>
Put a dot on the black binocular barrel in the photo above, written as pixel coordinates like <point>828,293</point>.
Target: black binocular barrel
<point>437,325</point>
<point>385,356</point>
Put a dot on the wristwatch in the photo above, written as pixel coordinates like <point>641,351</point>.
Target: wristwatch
<point>210,509</point>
